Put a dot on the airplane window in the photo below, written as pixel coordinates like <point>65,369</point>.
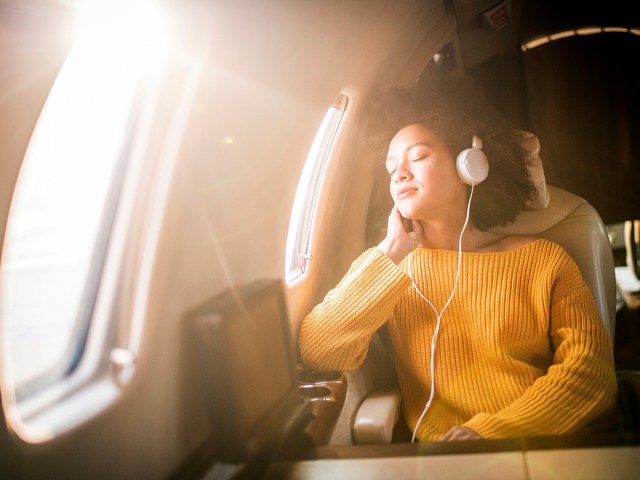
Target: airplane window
<point>65,197</point>
<point>304,205</point>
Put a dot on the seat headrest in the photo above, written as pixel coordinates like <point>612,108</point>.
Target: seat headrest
<point>534,221</point>
<point>531,145</point>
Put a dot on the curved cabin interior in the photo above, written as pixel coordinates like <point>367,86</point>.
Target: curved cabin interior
<point>182,181</point>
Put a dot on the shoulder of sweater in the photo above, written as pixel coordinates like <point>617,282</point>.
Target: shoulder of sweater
<point>556,258</point>
<point>550,250</point>
<point>543,245</point>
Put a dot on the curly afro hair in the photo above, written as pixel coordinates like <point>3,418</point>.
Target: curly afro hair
<point>453,108</point>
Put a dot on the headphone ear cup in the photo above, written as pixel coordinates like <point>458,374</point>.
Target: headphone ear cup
<point>472,165</point>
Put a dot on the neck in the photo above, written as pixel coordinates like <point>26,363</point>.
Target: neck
<point>443,225</point>
<point>445,235</point>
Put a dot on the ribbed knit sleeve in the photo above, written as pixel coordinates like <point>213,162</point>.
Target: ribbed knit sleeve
<point>579,386</point>
<point>337,332</point>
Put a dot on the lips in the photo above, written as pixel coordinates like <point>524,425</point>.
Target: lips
<point>405,192</point>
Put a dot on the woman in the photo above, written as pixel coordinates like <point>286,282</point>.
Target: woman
<point>492,335</point>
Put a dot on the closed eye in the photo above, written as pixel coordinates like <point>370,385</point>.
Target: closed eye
<point>419,152</point>
<point>391,167</point>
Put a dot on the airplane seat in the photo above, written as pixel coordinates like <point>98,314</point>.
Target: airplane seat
<point>556,215</point>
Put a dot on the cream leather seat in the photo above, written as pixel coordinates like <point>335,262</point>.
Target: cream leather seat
<point>559,216</point>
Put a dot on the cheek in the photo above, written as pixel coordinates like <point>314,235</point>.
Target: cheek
<point>444,177</point>
<point>392,190</point>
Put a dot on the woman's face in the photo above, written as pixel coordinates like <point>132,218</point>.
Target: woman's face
<point>424,181</point>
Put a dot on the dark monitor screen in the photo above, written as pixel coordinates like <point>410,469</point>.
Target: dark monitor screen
<point>245,351</point>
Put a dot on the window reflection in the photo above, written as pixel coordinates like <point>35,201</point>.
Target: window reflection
<point>304,205</point>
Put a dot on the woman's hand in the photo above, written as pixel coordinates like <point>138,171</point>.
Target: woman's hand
<point>460,433</point>
<point>398,242</point>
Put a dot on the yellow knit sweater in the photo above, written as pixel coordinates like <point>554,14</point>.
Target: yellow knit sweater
<point>521,349</point>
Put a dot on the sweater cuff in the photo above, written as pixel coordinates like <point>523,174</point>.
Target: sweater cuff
<point>483,425</point>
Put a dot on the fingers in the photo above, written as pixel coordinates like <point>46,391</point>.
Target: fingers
<point>395,224</point>
<point>401,239</point>
<point>460,433</point>
<point>395,215</point>
<point>408,225</point>
<point>416,227</point>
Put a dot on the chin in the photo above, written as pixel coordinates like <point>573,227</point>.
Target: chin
<point>408,214</point>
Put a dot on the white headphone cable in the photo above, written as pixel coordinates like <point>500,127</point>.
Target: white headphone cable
<point>434,338</point>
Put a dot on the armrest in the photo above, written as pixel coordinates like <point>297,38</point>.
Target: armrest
<point>376,417</point>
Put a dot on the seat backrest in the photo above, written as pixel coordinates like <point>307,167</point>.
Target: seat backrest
<point>573,223</point>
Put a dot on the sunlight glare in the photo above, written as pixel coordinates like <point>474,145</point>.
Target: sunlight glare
<point>64,183</point>
<point>122,25</point>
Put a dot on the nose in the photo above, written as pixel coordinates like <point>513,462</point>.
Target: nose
<point>402,172</point>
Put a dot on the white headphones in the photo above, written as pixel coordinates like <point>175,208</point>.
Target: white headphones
<point>472,163</point>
